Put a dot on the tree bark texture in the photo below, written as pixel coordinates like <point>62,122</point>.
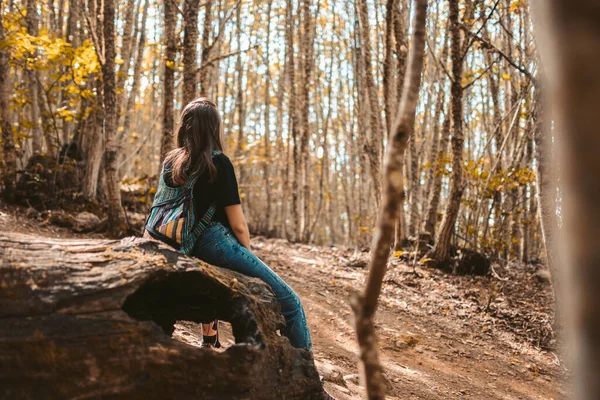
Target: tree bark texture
<point>137,66</point>
<point>365,304</point>
<point>547,188</point>
<point>374,141</point>
<point>166,142</point>
<point>126,51</point>
<point>93,319</point>
<point>388,65</point>
<point>205,67</point>
<point>293,119</point>
<point>440,252</point>
<point>34,107</point>
<point>113,195</point>
<point>268,218</point>
<point>95,147</point>
<point>190,52</point>
<point>9,160</point>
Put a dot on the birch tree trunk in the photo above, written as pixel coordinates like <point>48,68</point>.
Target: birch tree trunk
<point>365,304</point>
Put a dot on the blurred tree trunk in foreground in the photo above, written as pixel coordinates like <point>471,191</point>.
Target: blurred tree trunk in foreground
<point>568,35</point>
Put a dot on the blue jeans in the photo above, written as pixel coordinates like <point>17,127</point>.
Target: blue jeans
<point>218,246</point>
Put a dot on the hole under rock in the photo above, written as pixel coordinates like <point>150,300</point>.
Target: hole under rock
<point>182,300</point>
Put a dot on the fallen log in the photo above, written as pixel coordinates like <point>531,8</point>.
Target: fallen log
<point>84,319</point>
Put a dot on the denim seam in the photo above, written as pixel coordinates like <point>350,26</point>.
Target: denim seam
<point>207,245</point>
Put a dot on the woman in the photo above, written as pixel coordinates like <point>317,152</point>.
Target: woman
<point>226,240</point>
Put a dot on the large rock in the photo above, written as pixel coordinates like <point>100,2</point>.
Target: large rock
<point>93,319</point>
<point>86,222</point>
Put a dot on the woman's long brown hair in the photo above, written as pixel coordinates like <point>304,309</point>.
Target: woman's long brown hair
<point>198,135</point>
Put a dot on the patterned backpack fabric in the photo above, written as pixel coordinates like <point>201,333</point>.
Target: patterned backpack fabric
<point>173,219</point>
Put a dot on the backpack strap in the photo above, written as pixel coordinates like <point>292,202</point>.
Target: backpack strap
<point>202,222</point>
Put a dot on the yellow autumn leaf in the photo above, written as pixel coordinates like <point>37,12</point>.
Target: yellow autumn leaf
<point>506,77</point>
<point>398,253</point>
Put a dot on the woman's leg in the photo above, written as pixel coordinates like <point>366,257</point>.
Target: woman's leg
<point>218,246</point>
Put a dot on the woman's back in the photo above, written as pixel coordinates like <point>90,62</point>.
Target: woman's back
<point>223,190</point>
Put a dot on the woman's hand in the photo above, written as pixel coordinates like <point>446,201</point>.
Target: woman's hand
<point>237,222</point>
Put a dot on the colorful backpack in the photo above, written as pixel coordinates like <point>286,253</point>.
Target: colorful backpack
<point>172,218</point>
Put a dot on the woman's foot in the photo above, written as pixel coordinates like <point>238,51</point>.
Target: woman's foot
<point>210,341</point>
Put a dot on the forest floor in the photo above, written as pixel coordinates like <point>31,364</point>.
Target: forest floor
<point>441,336</point>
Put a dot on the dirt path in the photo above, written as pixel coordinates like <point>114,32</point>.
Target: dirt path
<point>436,342</point>
<point>433,346</point>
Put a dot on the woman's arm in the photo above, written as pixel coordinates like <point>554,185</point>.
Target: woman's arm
<point>237,222</point>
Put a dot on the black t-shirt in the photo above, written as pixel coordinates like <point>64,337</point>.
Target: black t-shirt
<point>223,191</point>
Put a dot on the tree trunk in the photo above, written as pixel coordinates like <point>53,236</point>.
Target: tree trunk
<point>373,147</point>
<point>388,65</point>
<point>268,219</point>
<point>166,142</point>
<point>365,304</point>
<point>31,20</point>
<point>293,119</point>
<point>205,68</point>
<point>547,188</point>
<point>96,316</point>
<point>568,39</point>
<point>305,132</point>
<point>94,146</point>
<point>436,185</point>
<point>441,251</point>
<point>126,50</point>
<point>113,186</point>
<point>401,36</point>
<point>73,32</point>
<point>137,66</point>
<point>190,53</point>
<point>9,160</point>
